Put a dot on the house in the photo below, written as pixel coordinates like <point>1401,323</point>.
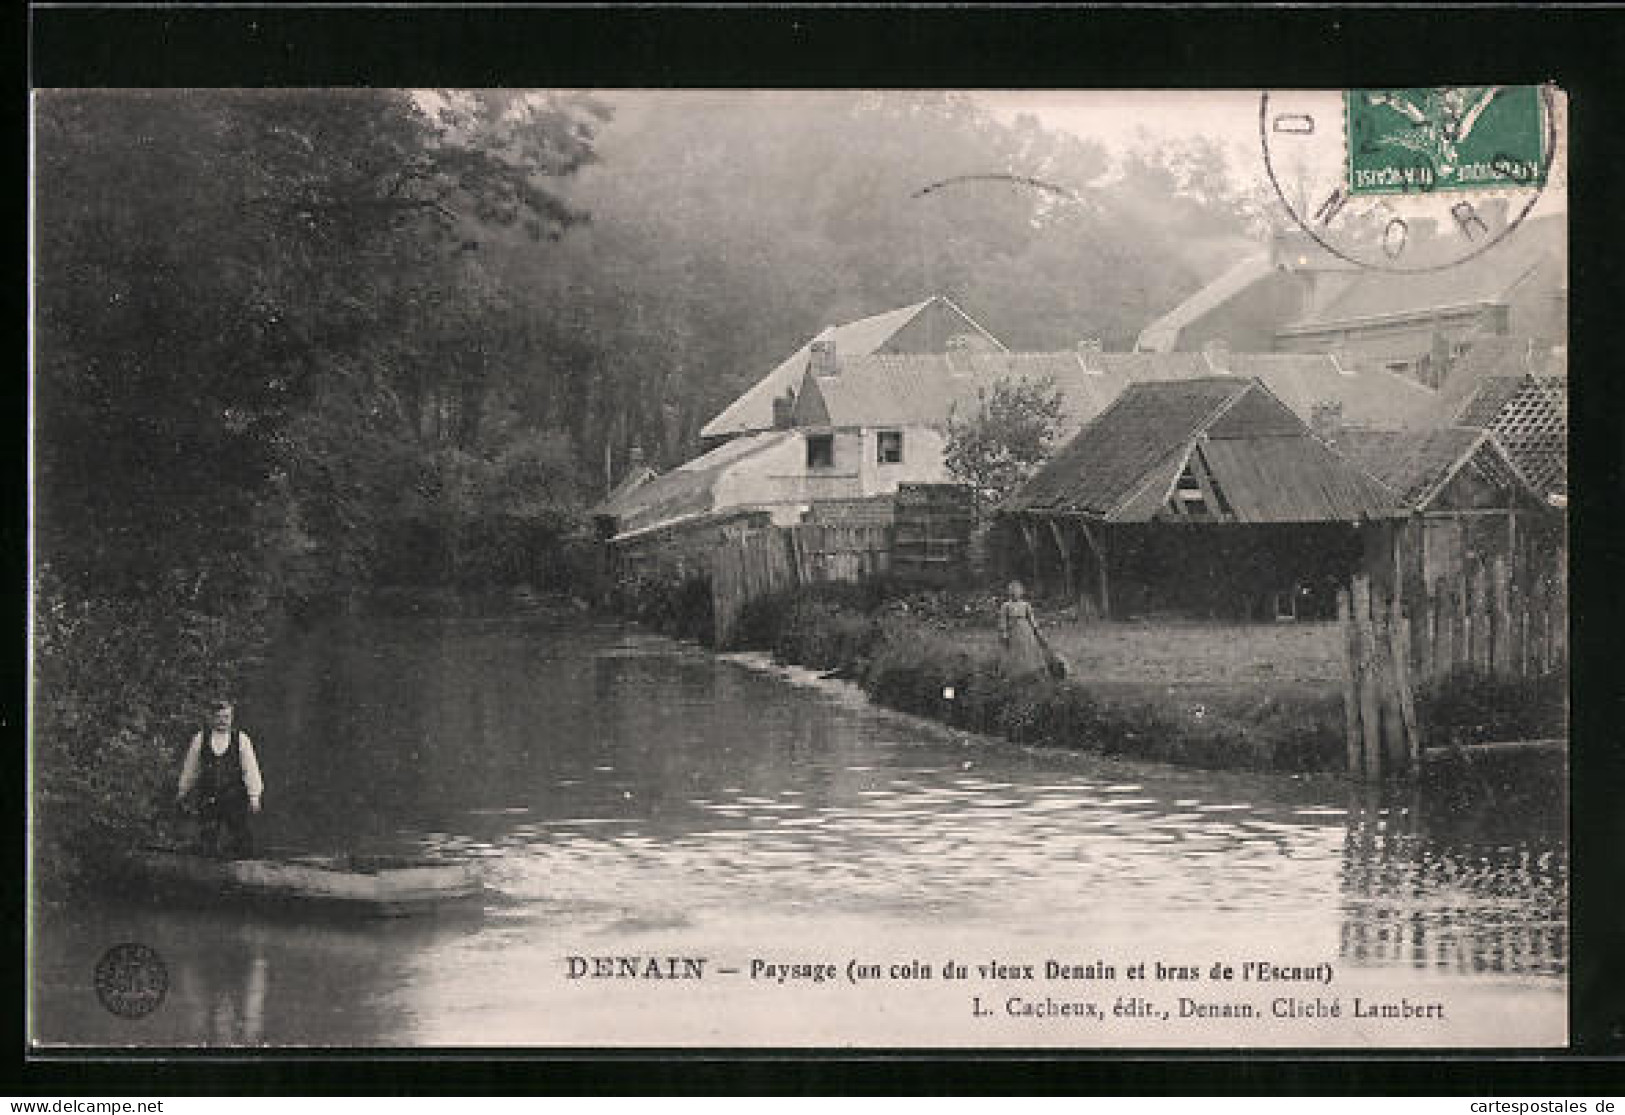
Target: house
<point>857,427</point>
<point>1466,502</point>
<point>932,326</point>
<point>608,512</point>
<point>736,475</point>
<point>1199,496</point>
<point>1297,297</point>
<point>872,422</point>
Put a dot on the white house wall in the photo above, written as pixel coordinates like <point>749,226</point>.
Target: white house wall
<point>756,481</point>
<point>922,462</point>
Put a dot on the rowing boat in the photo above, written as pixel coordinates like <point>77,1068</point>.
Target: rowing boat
<point>376,886</point>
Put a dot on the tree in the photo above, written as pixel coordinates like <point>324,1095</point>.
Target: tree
<point>230,347</point>
<point>1012,431</point>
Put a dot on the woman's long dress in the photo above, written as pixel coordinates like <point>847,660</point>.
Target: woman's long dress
<point>1023,654</point>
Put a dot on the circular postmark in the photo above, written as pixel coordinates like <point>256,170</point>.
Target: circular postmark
<point>131,980</point>
<point>1410,180</point>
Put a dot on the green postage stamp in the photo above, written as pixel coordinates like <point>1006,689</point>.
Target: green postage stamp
<point>1461,138</point>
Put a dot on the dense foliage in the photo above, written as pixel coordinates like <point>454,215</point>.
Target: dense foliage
<point>998,445</point>
<point>242,398</point>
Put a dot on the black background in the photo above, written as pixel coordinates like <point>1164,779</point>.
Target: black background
<point>1580,49</point>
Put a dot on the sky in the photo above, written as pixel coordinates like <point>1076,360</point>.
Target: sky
<point>1117,118</point>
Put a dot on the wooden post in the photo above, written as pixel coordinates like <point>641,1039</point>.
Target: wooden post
<point>1400,629</point>
<point>1501,641</point>
<point>1482,612</point>
<point>1370,709</point>
<point>1027,536</point>
<point>1066,557</point>
<point>1097,545</point>
<point>1351,681</point>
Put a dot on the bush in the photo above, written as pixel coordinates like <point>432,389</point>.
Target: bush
<point>824,637</point>
<point>1473,706</point>
<point>119,688</point>
<point>679,606</point>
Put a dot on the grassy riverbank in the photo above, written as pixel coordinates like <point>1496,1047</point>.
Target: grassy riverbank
<point>1200,695</point>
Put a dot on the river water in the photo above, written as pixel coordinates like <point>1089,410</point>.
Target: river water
<point>627,797</point>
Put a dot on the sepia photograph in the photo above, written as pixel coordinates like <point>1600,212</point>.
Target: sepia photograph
<point>693,568</point>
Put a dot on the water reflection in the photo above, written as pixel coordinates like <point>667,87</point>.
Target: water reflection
<point>1470,886</point>
<point>611,785</point>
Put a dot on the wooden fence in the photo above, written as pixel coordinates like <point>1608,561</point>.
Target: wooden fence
<point>1487,624</point>
<point>1490,622</point>
<point>777,559</point>
<point>934,527</point>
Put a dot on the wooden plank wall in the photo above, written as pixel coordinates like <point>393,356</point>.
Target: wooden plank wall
<point>1487,621</point>
<point>763,562</point>
<point>1490,620</point>
<point>934,527</point>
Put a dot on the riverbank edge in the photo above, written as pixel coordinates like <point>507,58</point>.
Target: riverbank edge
<point>904,650</point>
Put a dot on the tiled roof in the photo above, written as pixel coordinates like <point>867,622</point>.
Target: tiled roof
<point>1415,464</point>
<point>689,489</point>
<point>1489,398</point>
<point>1487,356</point>
<point>1269,466</point>
<point>1162,335</point>
<point>1485,278</point>
<point>754,409</point>
<point>1529,416</point>
<point>924,390</point>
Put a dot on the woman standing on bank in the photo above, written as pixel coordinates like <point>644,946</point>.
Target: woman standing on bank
<point>1018,631</point>
<point>221,782</point>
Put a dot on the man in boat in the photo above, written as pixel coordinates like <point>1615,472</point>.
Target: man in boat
<point>221,783</point>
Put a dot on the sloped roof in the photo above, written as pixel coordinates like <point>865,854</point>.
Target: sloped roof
<point>1271,468</point>
<point>1489,398</point>
<point>1488,356</point>
<point>1292,479</point>
<point>1146,431</point>
<point>1162,335</point>
<point>611,505</point>
<point>1415,464</point>
<point>754,409</point>
<point>1486,278</point>
<point>689,489</point>
<point>1529,416</point>
<point>889,390</point>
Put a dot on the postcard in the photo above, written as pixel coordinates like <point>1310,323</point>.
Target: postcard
<point>844,569</point>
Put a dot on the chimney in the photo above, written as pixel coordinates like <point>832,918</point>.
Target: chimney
<point>784,407</point>
<point>1090,349</point>
<point>634,459</point>
<point>1217,354</point>
<point>1439,360</point>
<point>824,360</point>
<point>1326,418</point>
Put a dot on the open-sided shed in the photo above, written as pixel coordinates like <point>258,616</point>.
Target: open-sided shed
<point>1206,496</point>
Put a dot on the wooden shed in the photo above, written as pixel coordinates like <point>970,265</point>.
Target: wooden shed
<point>1466,504</point>
<point>1204,497</point>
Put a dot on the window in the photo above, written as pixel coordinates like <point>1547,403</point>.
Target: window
<point>889,447</point>
<point>820,450</point>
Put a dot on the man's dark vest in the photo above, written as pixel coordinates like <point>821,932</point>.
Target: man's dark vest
<point>220,777</point>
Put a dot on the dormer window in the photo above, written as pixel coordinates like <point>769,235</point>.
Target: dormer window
<point>820,450</point>
<point>889,447</point>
